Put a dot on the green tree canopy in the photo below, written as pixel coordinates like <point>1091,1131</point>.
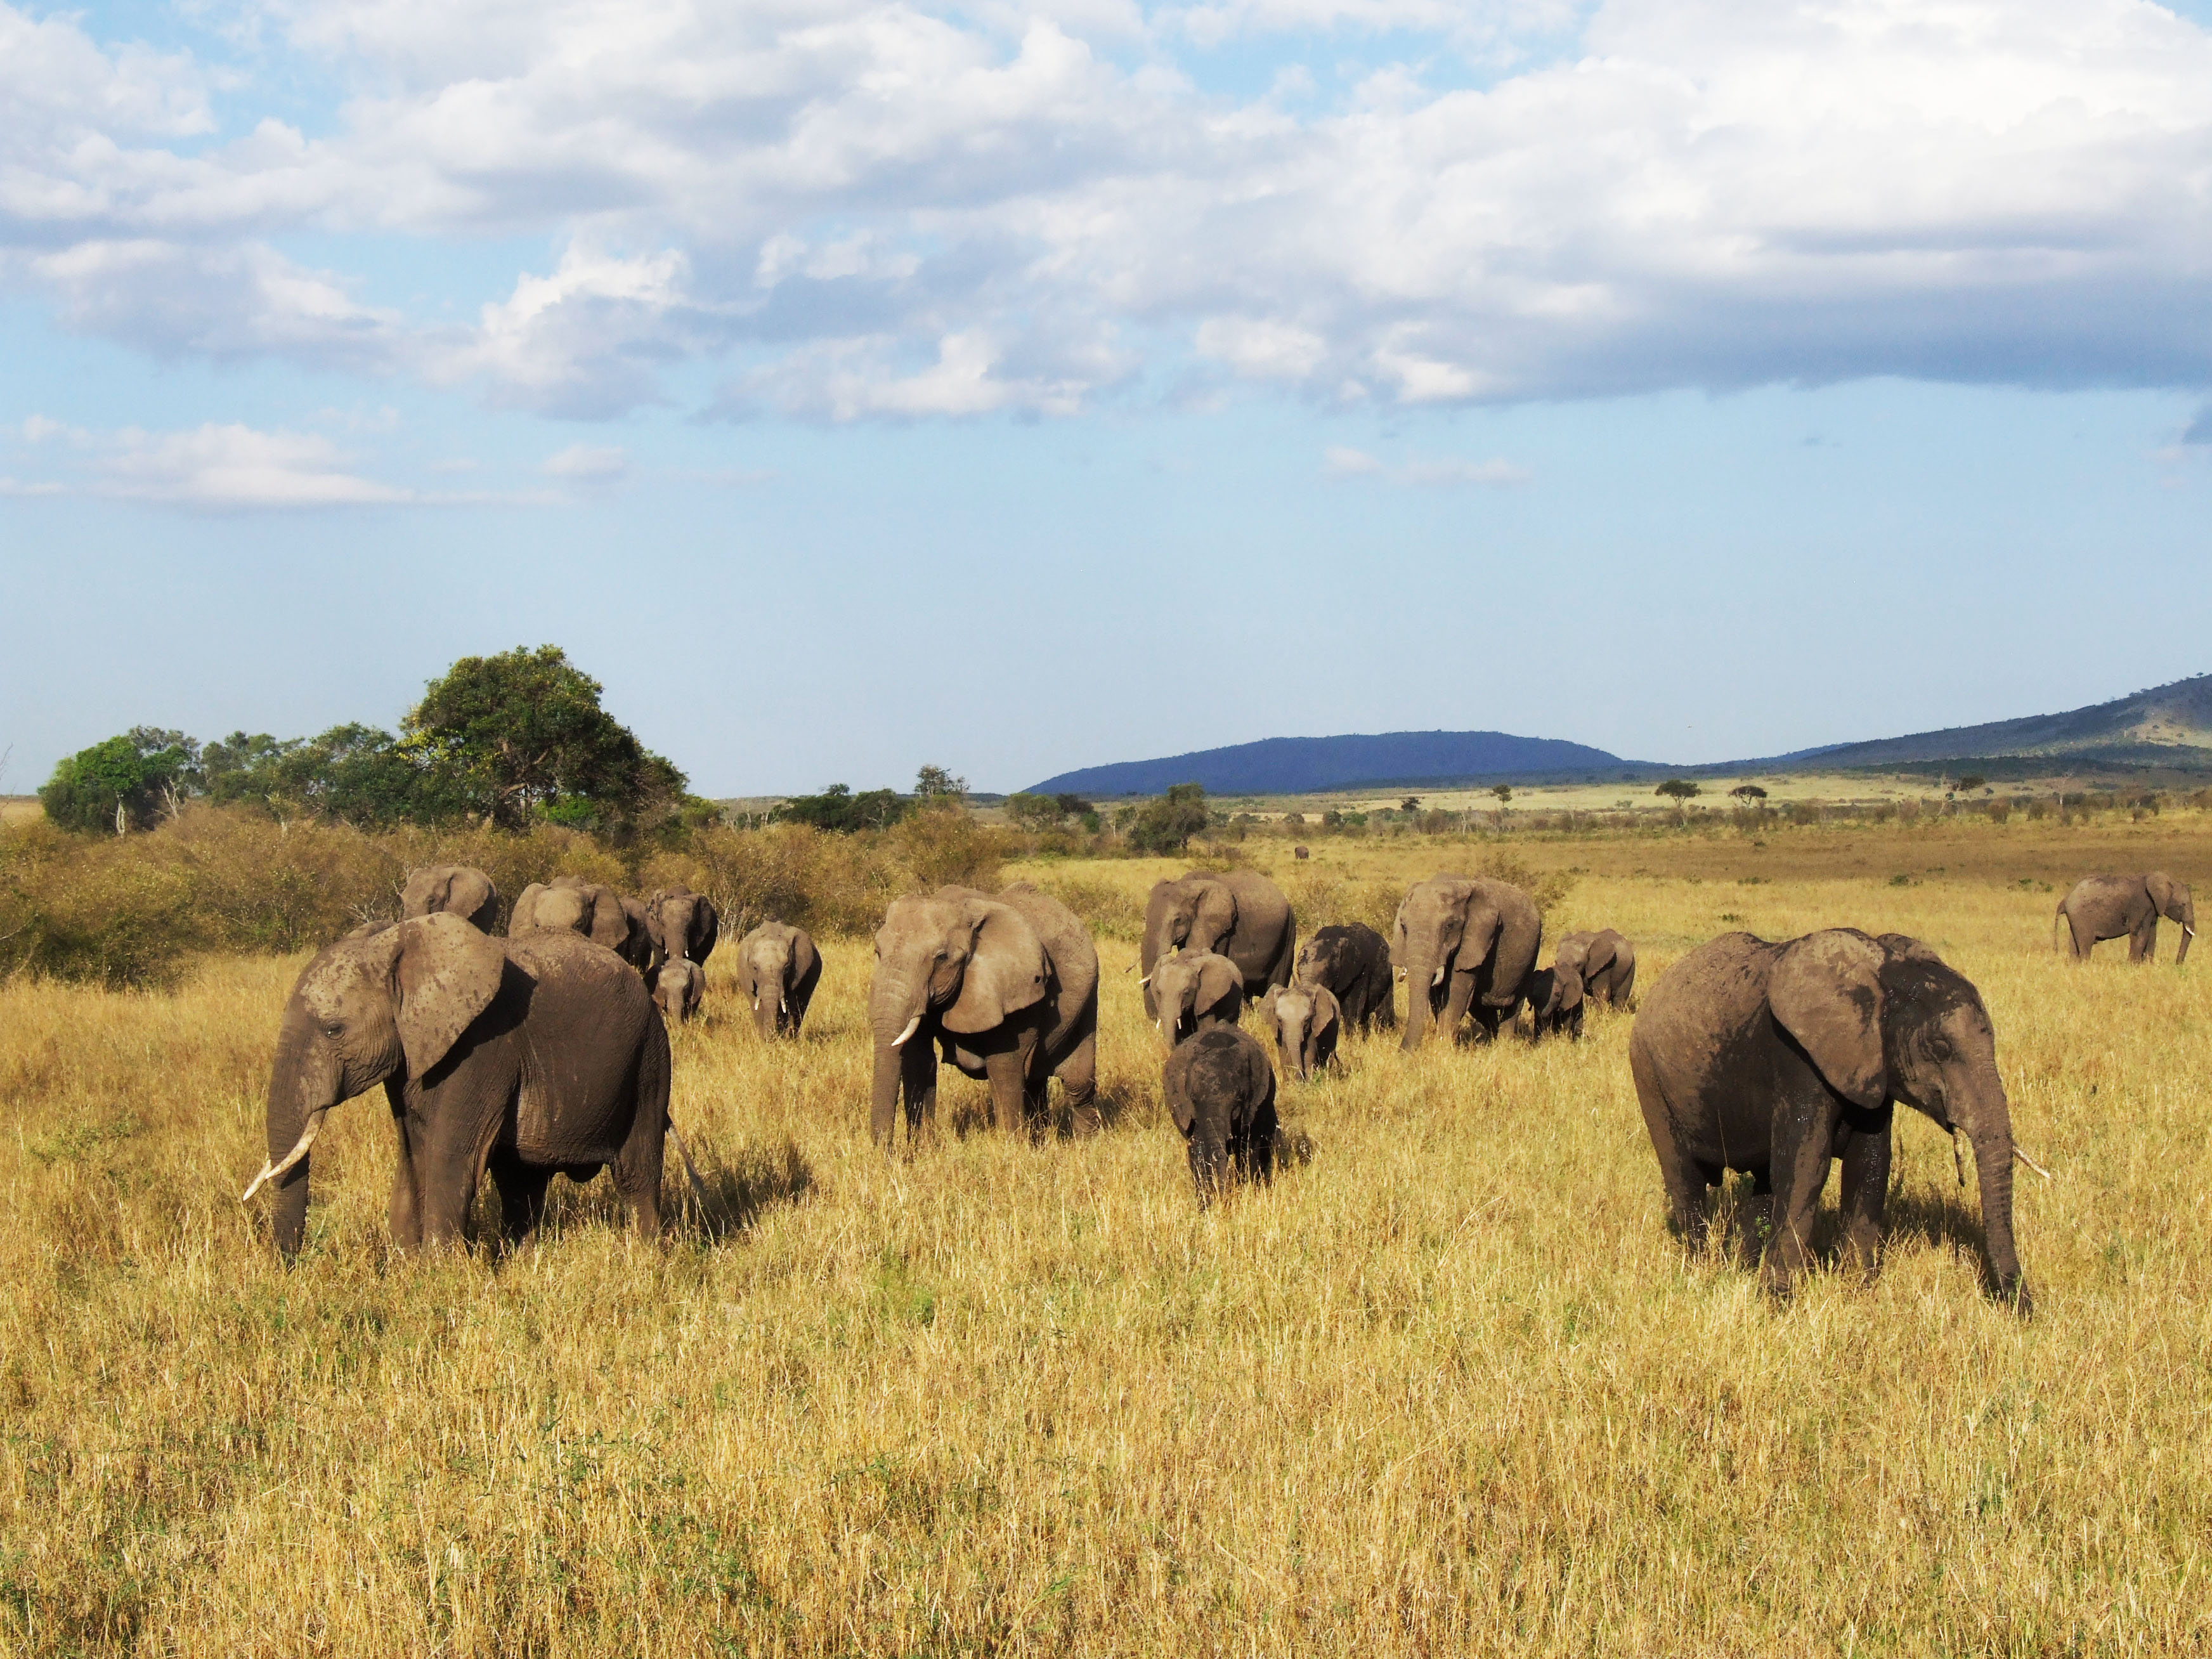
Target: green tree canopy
<point>521,735</point>
<point>1678,789</point>
<point>121,783</point>
<point>1167,824</point>
<point>838,810</point>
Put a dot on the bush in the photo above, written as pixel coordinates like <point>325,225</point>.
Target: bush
<point>1166,825</point>
<point>122,783</point>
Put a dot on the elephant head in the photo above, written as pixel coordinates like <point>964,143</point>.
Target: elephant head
<point>1192,989</point>
<point>683,923</point>
<point>402,996</point>
<point>1451,924</point>
<point>1544,998</point>
<point>2173,903</point>
<point>456,888</point>
<point>601,914</point>
<point>1194,913</point>
<point>776,958</point>
<point>1302,1016</point>
<point>1579,960</point>
<point>678,989</point>
<point>957,960</point>
<point>1887,1018</point>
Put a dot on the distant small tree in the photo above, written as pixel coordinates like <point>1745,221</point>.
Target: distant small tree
<point>1973,780</point>
<point>1166,825</point>
<point>1679,789</point>
<point>1034,812</point>
<point>1411,804</point>
<point>122,783</point>
<point>1504,792</point>
<point>1749,793</point>
<point>934,783</point>
<point>840,812</point>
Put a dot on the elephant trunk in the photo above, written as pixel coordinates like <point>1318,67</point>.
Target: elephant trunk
<point>768,981</point>
<point>1988,1128</point>
<point>897,1008</point>
<point>303,1086</point>
<point>2188,919</point>
<point>1423,968</point>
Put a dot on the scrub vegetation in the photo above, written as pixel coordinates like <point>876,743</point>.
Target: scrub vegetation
<point>1447,1385</point>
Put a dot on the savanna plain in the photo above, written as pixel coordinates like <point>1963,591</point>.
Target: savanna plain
<point>1447,1385</point>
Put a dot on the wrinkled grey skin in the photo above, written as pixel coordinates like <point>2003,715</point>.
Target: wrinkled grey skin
<point>1352,961</point>
<point>601,914</point>
<point>1306,1020</point>
<point>1193,991</point>
<point>1464,945</point>
<point>682,923</point>
<point>1238,914</point>
<point>529,1056</point>
<point>1775,1058</point>
<point>458,889</point>
<point>1220,1090</point>
<point>2126,906</point>
<point>778,969</point>
<point>1598,967</point>
<point>1007,987</point>
<point>679,990</point>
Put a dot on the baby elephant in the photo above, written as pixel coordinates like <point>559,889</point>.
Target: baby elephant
<point>1306,1020</point>
<point>1546,1014</point>
<point>778,967</point>
<point>1587,967</point>
<point>1220,1090</point>
<point>1195,991</point>
<point>678,989</point>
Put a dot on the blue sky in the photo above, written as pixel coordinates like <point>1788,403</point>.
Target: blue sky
<point>1015,388</point>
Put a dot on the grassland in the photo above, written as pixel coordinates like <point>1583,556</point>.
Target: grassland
<point>1448,1386</point>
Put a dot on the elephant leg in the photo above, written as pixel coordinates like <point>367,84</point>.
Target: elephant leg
<point>2082,936</point>
<point>1684,1180</point>
<point>406,1212</point>
<point>917,1082</point>
<point>521,1195</point>
<point>1758,1214</point>
<point>1865,1150</point>
<point>2143,940</point>
<point>1804,1134</point>
<point>449,1176</point>
<point>1078,1076</point>
<point>1457,1000</point>
<point>1008,1074</point>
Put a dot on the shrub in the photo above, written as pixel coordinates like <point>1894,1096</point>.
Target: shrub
<point>121,783</point>
<point>1167,824</point>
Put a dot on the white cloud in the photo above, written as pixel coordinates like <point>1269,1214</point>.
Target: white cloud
<point>587,464</point>
<point>232,467</point>
<point>865,209</point>
<point>1341,462</point>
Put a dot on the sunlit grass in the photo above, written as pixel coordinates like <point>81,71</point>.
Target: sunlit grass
<point>1448,1384</point>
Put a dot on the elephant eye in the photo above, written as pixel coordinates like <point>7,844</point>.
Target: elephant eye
<point>334,1028</point>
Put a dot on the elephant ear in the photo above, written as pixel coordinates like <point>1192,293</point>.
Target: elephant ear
<point>1004,976</point>
<point>524,914</point>
<point>1215,918</point>
<point>1600,955</point>
<point>1274,994</point>
<point>1218,977</point>
<point>1825,992</point>
<point>445,975</point>
<point>1398,938</point>
<point>704,908</point>
<point>1327,1009</point>
<point>803,957</point>
<point>608,919</point>
<point>2161,887</point>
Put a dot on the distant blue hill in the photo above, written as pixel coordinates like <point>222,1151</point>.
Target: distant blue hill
<point>1298,766</point>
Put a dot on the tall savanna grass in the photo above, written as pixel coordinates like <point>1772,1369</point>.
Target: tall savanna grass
<point>1447,1385</point>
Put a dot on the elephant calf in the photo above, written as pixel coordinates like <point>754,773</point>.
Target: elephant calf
<point>1587,967</point>
<point>778,967</point>
<point>679,989</point>
<point>1306,1021</point>
<point>571,904</point>
<point>458,890</point>
<point>2126,906</point>
<point>1775,1058</point>
<point>1352,961</point>
<point>1193,991</point>
<point>1220,1090</point>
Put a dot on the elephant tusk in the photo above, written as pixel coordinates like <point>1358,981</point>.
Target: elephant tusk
<point>276,1171</point>
<point>912,1026</point>
<point>1145,979</point>
<point>1439,978</point>
<point>781,1006</point>
<point>2031,1163</point>
<point>757,1002</point>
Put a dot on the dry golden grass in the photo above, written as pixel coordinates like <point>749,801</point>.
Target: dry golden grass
<point>1447,1386</point>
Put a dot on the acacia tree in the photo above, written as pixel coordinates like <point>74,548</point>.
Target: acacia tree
<point>1678,789</point>
<point>521,735</point>
<point>1166,825</point>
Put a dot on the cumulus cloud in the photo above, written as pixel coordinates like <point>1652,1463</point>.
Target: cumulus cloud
<point>587,464</point>
<point>1343,462</point>
<point>872,209</point>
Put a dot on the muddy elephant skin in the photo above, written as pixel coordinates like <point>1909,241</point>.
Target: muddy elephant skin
<point>528,1056</point>
<point>570,904</point>
<point>1237,914</point>
<point>1775,1058</point>
<point>2124,907</point>
<point>1220,1090</point>
<point>458,889</point>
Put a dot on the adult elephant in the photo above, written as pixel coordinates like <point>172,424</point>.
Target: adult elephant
<point>1464,944</point>
<point>1007,987</point>
<point>682,923</point>
<point>571,904</point>
<point>1352,963</point>
<point>1237,914</point>
<point>530,1056</point>
<point>778,967</point>
<point>2126,906</point>
<point>1775,1058</point>
<point>458,890</point>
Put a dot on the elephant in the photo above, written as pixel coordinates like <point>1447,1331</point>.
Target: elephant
<point>530,1056</point>
<point>457,889</point>
<point>679,990</point>
<point>778,967</point>
<point>1300,853</point>
<point>1220,1090</point>
<point>682,923</point>
<point>1598,967</point>
<point>1306,1021</point>
<point>1773,1058</point>
<point>1194,991</point>
<point>1239,914</point>
<point>599,914</point>
<point>1007,987</point>
<point>1464,944</point>
<point>1353,961</point>
<point>2113,907</point>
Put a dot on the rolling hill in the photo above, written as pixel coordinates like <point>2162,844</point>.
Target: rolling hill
<point>2168,728</point>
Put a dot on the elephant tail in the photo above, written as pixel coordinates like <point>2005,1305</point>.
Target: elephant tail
<point>698,1187</point>
<point>2057,920</point>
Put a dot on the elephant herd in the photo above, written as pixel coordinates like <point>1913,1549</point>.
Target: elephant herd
<point>546,1052</point>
